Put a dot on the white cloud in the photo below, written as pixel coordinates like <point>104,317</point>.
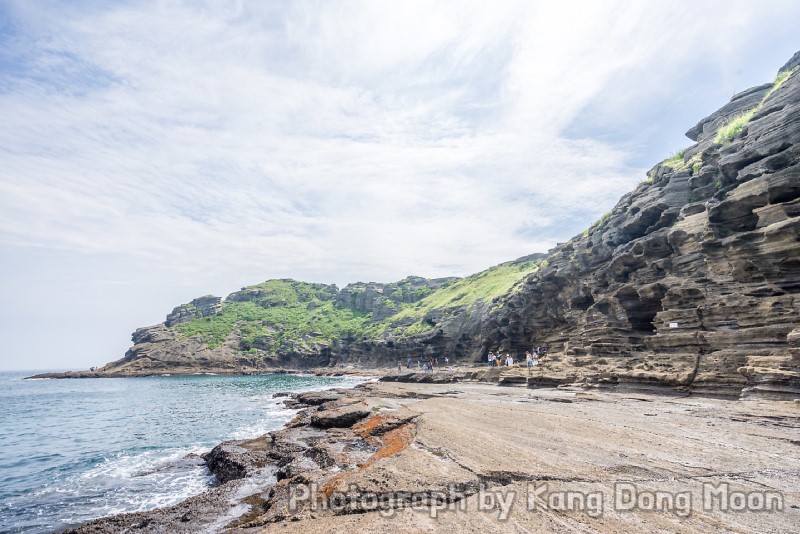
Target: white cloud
<point>229,142</point>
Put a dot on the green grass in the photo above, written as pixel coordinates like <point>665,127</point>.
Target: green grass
<point>599,222</point>
<point>677,163</point>
<point>481,287</point>
<point>281,313</point>
<point>416,328</point>
<point>728,131</point>
<point>780,79</point>
<point>734,127</point>
<point>676,159</point>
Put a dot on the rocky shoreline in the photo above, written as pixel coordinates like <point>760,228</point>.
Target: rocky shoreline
<point>192,371</point>
<point>417,452</point>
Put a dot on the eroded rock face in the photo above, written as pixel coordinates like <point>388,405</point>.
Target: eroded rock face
<point>694,279</point>
<point>199,307</point>
<point>158,349</point>
<point>383,300</point>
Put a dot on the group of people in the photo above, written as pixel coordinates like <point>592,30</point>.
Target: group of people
<point>531,358</point>
<point>426,366</point>
<point>498,360</point>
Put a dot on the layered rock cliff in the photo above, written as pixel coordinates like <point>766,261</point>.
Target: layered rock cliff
<point>691,281</point>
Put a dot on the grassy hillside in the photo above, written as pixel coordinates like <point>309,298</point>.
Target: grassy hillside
<point>279,311</point>
<point>462,295</point>
<point>289,315</point>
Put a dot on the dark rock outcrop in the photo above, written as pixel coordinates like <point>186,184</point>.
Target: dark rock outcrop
<point>693,280</point>
<point>383,300</point>
<point>199,307</point>
<point>740,103</point>
<point>344,417</point>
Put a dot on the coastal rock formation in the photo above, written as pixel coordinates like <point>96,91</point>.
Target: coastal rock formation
<point>693,279</point>
<point>384,300</point>
<point>408,465</point>
<point>200,307</point>
<point>160,349</point>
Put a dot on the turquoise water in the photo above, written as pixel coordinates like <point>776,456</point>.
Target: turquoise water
<point>74,450</point>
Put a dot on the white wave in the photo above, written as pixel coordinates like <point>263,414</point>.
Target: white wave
<point>134,482</point>
<point>277,415</point>
<point>128,465</point>
<point>145,480</point>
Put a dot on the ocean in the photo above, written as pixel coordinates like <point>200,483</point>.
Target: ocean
<point>79,449</point>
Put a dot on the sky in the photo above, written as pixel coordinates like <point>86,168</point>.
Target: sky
<point>156,151</point>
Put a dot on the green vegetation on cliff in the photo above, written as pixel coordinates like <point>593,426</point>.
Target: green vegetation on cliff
<point>277,312</point>
<point>463,295</point>
<point>484,286</point>
<point>728,132</point>
<point>289,315</point>
<point>731,129</point>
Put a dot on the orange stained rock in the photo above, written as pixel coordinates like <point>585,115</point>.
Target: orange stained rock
<point>368,427</point>
<point>393,442</point>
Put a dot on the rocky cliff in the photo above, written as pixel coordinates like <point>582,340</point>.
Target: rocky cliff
<point>691,281</point>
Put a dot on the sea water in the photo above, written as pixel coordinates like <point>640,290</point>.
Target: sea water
<point>78,449</point>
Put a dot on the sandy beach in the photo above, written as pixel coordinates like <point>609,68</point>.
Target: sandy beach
<point>477,457</point>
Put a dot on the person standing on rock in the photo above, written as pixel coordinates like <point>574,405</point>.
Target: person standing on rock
<point>408,363</point>
<point>509,360</point>
<point>529,359</point>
